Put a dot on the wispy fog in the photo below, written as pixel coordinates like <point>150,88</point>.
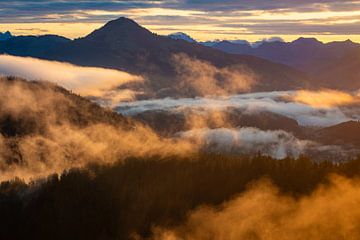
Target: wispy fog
<point>277,144</point>
<point>263,212</point>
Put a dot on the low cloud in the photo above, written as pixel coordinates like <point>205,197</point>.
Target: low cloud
<point>277,144</point>
<point>67,146</point>
<point>200,78</point>
<point>262,212</point>
<point>47,131</point>
<point>325,98</point>
<point>275,102</point>
<point>86,81</point>
<point>50,135</point>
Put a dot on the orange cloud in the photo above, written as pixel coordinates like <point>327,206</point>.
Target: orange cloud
<point>325,98</point>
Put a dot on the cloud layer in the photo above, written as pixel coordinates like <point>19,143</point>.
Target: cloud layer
<point>291,104</point>
<point>277,144</point>
<point>86,81</point>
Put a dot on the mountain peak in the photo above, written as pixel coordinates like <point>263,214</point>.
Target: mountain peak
<point>121,27</point>
<point>5,36</point>
<point>303,40</point>
<point>182,36</point>
<point>122,21</point>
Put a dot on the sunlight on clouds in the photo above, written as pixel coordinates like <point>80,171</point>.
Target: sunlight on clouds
<point>202,26</point>
<point>145,12</point>
<point>263,15</point>
<point>70,30</point>
<point>87,81</point>
<point>199,32</point>
<point>326,98</point>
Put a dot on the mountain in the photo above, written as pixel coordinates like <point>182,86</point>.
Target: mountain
<point>123,44</point>
<point>33,46</point>
<point>240,42</point>
<point>44,115</point>
<point>343,73</point>
<point>332,65</point>
<point>5,36</point>
<point>28,107</point>
<point>209,43</point>
<point>301,53</point>
<point>340,134</point>
<point>182,36</point>
<point>265,40</point>
<point>234,48</point>
<point>305,54</point>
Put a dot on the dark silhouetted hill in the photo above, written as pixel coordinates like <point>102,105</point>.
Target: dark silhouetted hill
<point>33,46</point>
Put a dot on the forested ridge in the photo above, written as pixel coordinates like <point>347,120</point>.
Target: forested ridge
<point>126,200</point>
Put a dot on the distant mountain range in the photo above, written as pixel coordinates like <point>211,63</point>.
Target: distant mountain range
<point>332,65</point>
<point>188,38</point>
<point>123,44</point>
<point>305,54</point>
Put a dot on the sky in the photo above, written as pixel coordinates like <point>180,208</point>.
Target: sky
<point>252,20</point>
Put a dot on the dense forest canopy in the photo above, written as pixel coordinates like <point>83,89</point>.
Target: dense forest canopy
<point>131,198</point>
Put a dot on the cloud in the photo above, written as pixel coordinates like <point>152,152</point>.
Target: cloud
<point>47,132</point>
<point>69,6</point>
<point>262,212</point>
<point>259,4</point>
<point>50,135</point>
<point>86,81</point>
<point>200,78</point>
<point>277,144</point>
<point>275,102</point>
<point>325,98</point>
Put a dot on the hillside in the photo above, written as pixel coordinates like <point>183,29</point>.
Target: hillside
<point>340,134</point>
<point>343,73</point>
<point>44,103</point>
<point>45,128</point>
